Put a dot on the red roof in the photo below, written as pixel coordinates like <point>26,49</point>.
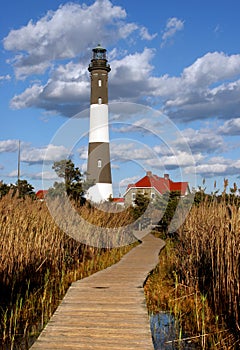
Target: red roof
<point>118,200</point>
<point>41,194</point>
<point>161,184</point>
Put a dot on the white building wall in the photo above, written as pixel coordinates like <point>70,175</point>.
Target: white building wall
<point>99,192</point>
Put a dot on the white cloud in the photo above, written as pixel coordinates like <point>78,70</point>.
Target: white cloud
<point>143,126</point>
<point>62,39</point>
<point>5,77</point>
<point>82,152</point>
<point>145,34</point>
<point>203,140</point>
<point>9,146</point>
<point>128,180</point>
<point>46,175</point>
<point>14,173</point>
<point>66,92</point>
<point>216,166</point>
<point>65,33</point>
<point>230,127</point>
<point>28,98</point>
<point>130,151</point>
<point>198,93</point>
<point>173,26</point>
<point>68,88</point>
<point>203,90</point>
<point>176,160</point>
<point>130,76</point>
<point>129,67</point>
<point>46,154</point>
<point>212,67</point>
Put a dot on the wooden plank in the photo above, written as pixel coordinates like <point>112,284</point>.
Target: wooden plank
<point>106,310</point>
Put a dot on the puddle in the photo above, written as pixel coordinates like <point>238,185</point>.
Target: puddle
<point>164,330</point>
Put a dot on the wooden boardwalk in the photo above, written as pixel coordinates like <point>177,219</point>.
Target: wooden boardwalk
<point>106,310</point>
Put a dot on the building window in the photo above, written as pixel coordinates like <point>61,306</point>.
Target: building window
<point>152,195</point>
<point>99,163</point>
<point>133,196</point>
<point>99,82</point>
<point>99,100</point>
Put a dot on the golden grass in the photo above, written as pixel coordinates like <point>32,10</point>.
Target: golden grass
<point>198,277</point>
<point>38,262</point>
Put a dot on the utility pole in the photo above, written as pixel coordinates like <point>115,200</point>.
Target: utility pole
<point>19,160</point>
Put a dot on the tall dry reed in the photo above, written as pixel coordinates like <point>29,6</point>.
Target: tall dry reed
<point>209,257</point>
<point>38,262</point>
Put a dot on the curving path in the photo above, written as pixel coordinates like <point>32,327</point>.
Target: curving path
<point>107,309</point>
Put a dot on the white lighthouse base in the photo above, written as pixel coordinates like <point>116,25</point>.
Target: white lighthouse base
<point>100,192</point>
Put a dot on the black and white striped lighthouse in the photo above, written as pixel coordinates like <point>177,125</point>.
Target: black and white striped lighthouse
<point>99,167</point>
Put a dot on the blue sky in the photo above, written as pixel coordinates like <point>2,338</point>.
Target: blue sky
<point>174,87</point>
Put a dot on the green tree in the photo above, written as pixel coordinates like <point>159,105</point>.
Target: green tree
<point>172,199</point>
<point>4,189</point>
<point>57,190</point>
<point>72,180</point>
<point>23,188</point>
<point>66,169</point>
<point>141,203</point>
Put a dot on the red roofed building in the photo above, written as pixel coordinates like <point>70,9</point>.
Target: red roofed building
<point>153,186</point>
<point>118,200</point>
<point>41,194</point>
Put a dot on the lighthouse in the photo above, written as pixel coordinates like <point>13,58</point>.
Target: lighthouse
<point>98,166</point>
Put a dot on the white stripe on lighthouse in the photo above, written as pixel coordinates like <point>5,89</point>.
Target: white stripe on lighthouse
<point>99,131</point>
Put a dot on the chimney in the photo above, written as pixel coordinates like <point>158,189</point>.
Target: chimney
<point>166,176</point>
<point>149,173</point>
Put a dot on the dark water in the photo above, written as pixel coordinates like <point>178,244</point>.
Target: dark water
<point>165,333</point>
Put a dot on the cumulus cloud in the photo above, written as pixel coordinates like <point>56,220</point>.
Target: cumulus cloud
<point>203,90</point>
<point>130,151</point>
<point>82,152</point>
<point>230,127</point>
<point>9,146</point>
<point>145,34</point>
<point>5,77</point>
<point>46,154</point>
<point>173,26</point>
<point>46,175</point>
<point>128,180</point>
<point>178,159</point>
<point>201,141</point>
<point>68,89</point>
<point>130,75</point>
<point>65,33</point>
<point>217,166</point>
<point>14,174</point>
<point>62,39</point>
<point>143,126</point>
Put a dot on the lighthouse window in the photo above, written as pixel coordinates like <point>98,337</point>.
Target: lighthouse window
<point>99,163</point>
<point>99,100</point>
<point>99,82</point>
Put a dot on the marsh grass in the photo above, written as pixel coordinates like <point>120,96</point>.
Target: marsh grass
<point>198,277</point>
<point>38,262</point>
